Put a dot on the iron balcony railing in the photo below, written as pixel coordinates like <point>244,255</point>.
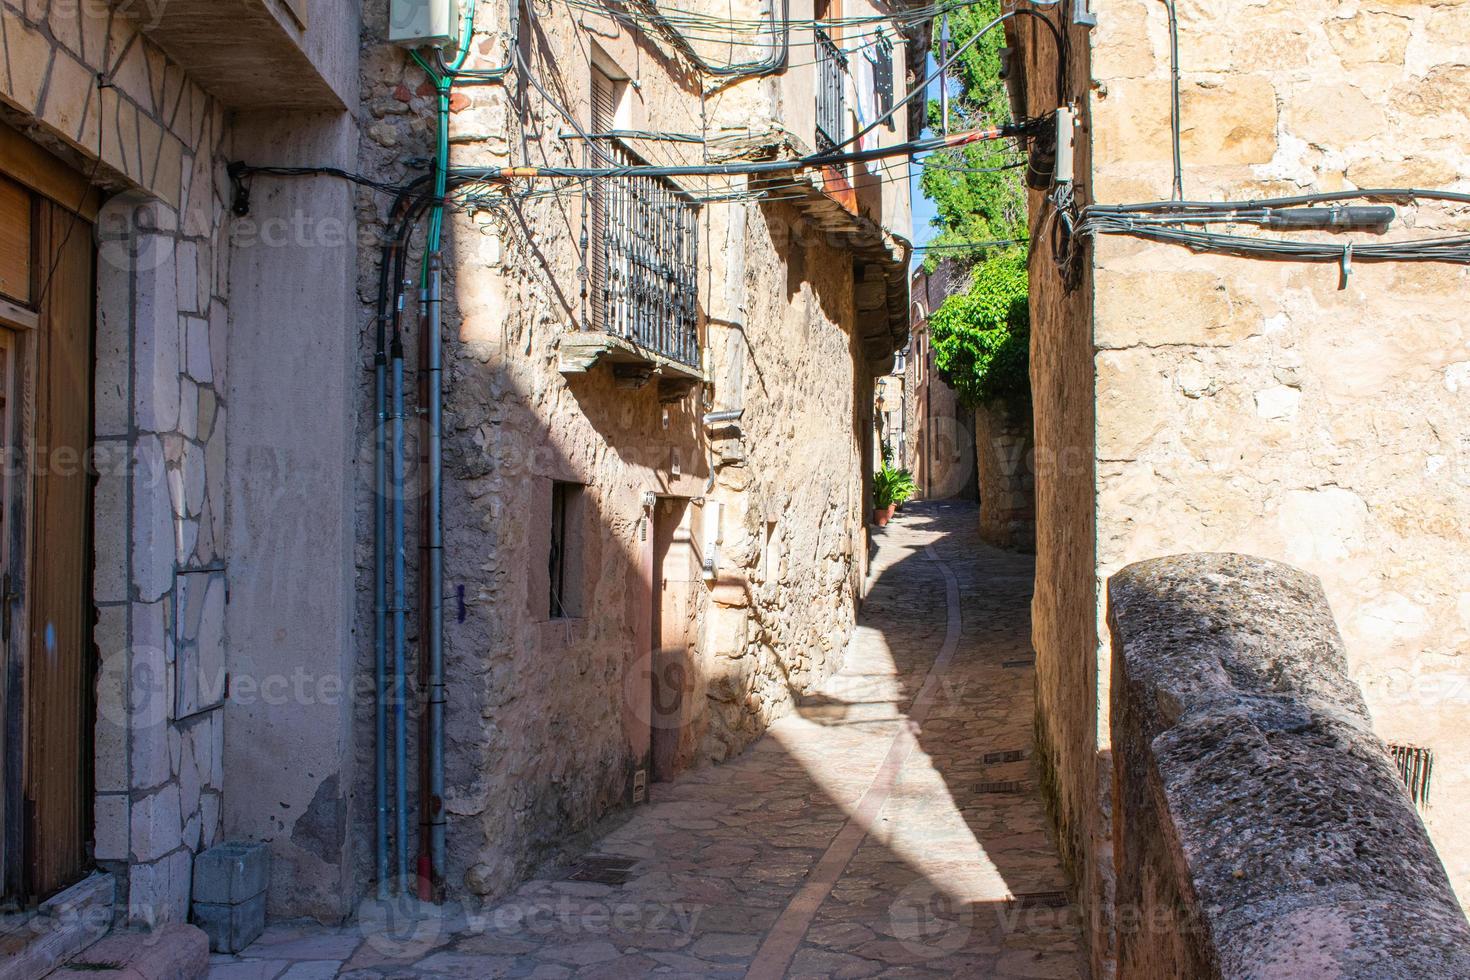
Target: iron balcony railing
<point>831,91</point>
<point>644,254</point>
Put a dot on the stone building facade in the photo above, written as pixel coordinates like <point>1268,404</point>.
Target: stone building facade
<point>1309,412</point>
<point>718,565</point>
<point>218,633</point>
<point>942,430</point>
<point>119,123</point>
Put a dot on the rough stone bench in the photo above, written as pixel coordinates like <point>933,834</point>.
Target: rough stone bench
<point>1261,829</point>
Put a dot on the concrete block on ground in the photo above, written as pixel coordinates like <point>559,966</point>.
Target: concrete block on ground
<point>231,928</point>
<point>229,894</point>
<point>231,873</point>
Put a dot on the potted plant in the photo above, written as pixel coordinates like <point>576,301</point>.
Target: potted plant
<point>891,488</point>
<point>904,488</point>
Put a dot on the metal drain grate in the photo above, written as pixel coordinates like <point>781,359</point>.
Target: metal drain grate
<point>1012,664</point>
<point>1011,755</point>
<point>1041,900</point>
<point>603,870</point>
<point>1416,766</point>
<point>1006,786</point>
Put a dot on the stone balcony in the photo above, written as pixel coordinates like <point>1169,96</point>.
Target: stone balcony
<point>252,54</point>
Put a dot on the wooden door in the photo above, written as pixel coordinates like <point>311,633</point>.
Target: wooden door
<point>673,605</point>
<point>46,356</point>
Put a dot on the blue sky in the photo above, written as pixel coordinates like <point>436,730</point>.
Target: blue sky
<point>924,210</point>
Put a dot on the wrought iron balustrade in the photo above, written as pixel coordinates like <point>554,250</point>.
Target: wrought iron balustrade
<point>643,240</point>
<point>831,90</point>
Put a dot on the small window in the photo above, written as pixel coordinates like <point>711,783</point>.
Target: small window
<point>1416,766</point>
<point>565,559</point>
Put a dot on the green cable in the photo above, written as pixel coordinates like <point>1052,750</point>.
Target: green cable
<point>442,86</point>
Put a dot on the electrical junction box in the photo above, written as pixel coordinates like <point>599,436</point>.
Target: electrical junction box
<point>424,23</point>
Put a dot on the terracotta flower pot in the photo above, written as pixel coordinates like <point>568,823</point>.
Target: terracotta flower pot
<point>881,516</point>
<point>892,508</point>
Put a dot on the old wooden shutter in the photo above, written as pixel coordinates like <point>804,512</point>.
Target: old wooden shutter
<point>61,661</point>
<point>604,112</point>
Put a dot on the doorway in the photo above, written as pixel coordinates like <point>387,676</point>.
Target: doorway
<point>46,613</point>
<point>675,573</point>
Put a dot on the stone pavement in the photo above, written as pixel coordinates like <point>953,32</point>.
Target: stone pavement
<point>890,827</point>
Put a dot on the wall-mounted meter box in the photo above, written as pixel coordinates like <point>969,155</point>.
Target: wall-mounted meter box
<point>424,23</point>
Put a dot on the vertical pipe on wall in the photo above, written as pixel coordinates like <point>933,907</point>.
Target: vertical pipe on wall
<point>400,638</point>
<point>434,557</point>
<point>380,603</point>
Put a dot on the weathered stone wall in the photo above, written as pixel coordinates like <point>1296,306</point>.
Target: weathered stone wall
<point>1064,615</point>
<point>549,718</point>
<point>1268,407</point>
<point>1006,453</point>
<point>1261,828</point>
<point>1259,406</point>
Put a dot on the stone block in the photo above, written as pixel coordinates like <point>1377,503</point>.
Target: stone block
<point>28,56</point>
<point>1334,116</point>
<point>231,873</point>
<point>231,928</point>
<point>1154,308</point>
<point>1260,827</point>
<point>156,326</point>
<point>156,828</point>
<point>154,538</point>
<point>70,92</point>
<point>111,820</point>
<point>158,893</point>
<point>1369,37</point>
<point>1227,123</point>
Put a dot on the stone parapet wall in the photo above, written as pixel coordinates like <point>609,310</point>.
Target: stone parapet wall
<point>1260,827</point>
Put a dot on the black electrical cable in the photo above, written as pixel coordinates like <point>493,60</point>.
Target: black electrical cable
<point>1369,193</point>
<point>1448,249</point>
<point>826,158</point>
<point>239,171</point>
<point>1177,124</point>
<point>922,87</point>
<point>775,62</point>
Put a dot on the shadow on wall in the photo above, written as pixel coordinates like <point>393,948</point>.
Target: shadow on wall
<point>949,868</point>
<point>553,719</point>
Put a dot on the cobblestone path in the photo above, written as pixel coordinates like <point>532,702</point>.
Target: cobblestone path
<point>891,827</point>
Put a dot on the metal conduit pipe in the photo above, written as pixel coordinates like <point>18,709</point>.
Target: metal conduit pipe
<point>400,638</point>
<point>434,557</point>
<point>380,601</point>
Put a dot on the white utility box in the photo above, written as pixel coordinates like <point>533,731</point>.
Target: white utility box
<point>424,23</point>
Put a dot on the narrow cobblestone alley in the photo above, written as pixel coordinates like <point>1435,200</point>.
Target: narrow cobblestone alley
<point>889,828</point>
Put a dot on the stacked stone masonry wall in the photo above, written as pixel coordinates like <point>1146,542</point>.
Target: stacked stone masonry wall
<point>156,140</point>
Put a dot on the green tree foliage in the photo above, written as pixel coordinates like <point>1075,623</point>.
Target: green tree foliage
<point>982,338</point>
<point>978,195</point>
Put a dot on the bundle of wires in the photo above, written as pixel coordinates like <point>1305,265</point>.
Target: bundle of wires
<point>1168,221</point>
